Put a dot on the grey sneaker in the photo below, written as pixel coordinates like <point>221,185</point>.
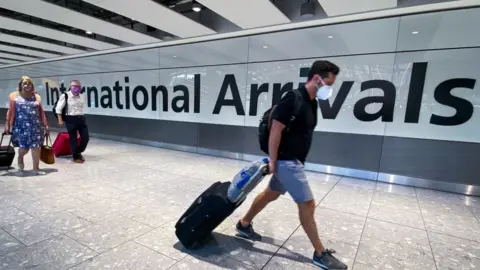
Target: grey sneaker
<point>327,261</point>
<point>248,232</point>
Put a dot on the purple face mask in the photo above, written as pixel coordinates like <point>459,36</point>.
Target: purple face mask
<point>76,90</point>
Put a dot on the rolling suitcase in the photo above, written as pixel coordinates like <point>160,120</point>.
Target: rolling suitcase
<point>7,152</point>
<point>61,146</point>
<point>216,203</point>
<point>210,209</point>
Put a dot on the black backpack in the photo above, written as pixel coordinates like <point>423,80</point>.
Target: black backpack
<point>265,122</point>
<point>64,110</point>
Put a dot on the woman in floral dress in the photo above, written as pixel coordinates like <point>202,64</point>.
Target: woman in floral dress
<point>27,122</point>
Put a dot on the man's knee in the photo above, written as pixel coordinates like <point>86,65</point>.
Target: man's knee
<point>306,207</point>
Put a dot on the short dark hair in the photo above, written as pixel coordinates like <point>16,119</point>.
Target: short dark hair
<point>322,68</point>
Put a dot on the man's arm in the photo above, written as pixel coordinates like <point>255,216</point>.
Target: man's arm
<point>280,119</point>
<point>60,105</point>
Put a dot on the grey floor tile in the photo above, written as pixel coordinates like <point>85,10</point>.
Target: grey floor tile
<point>164,241</point>
<point>109,233</point>
<point>102,209</point>
<point>348,199</point>
<point>201,263</point>
<point>385,255</point>
<point>95,193</point>
<point>475,212</point>
<point>280,262</point>
<point>128,256</point>
<point>125,200</point>
<point>397,234</point>
<point>343,227</point>
<point>454,253</point>
<point>50,225</point>
<point>59,253</point>
<point>361,266</point>
<point>155,215</point>
<point>400,202</point>
<point>49,205</point>
<point>11,215</point>
<point>32,231</point>
<point>397,215</point>
<point>8,243</point>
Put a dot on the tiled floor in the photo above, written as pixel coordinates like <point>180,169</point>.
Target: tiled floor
<point>117,211</point>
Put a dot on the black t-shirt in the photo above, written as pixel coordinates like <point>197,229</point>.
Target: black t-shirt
<point>295,143</point>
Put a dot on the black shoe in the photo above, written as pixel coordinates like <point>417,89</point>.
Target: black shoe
<point>327,261</point>
<point>248,232</point>
<point>81,157</point>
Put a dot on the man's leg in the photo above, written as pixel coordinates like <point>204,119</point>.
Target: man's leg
<point>292,175</point>
<point>270,194</point>
<point>72,134</point>
<point>84,138</point>
<point>306,212</point>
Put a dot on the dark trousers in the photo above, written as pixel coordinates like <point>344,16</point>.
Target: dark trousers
<point>77,124</point>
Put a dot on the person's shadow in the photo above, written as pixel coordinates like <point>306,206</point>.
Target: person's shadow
<point>16,173</point>
<point>219,245</point>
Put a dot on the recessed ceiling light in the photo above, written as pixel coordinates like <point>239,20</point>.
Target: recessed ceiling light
<point>415,32</point>
<point>330,37</point>
<point>174,56</point>
<point>196,7</point>
<point>265,46</point>
<point>89,32</point>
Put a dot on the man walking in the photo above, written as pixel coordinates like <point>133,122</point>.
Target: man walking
<point>288,151</point>
<point>74,119</point>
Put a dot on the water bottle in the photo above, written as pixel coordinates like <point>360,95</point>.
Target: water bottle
<point>240,180</point>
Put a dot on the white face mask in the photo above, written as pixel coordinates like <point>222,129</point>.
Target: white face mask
<point>324,92</point>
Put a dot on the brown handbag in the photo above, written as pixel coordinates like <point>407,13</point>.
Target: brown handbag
<point>46,152</point>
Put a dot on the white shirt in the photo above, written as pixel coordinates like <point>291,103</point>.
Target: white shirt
<point>75,104</point>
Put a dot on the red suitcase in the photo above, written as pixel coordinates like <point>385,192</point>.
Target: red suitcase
<point>61,146</point>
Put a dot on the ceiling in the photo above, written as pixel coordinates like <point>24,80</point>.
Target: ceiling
<point>37,29</point>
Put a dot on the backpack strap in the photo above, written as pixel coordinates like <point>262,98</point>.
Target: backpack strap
<point>296,107</point>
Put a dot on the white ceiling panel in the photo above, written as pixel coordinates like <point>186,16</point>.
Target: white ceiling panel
<point>8,61</point>
<point>155,15</point>
<point>248,13</point>
<point>38,44</point>
<point>58,14</point>
<point>17,57</point>
<point>41,31</point>
<point>14,49</point>
<point>342,7</point>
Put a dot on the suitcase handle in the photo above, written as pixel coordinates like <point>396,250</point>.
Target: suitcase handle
<point>1,140</point>
<point>265,169</point>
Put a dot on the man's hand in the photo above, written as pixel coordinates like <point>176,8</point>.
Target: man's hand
<point>7,129</point>
<point>60,122</point>
<point>272,167</point>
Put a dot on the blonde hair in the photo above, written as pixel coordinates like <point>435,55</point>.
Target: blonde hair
<point>25,79</point>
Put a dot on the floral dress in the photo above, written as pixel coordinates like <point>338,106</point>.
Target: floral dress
<point>27,131</point>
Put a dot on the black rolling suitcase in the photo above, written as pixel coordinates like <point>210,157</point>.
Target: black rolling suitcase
<point>210,209</point>
<point>7,152</point>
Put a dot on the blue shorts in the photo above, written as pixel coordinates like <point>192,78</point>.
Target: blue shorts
<point>290,177</point>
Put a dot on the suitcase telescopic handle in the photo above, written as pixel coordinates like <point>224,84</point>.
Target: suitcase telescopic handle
<point>1,139</point>
<point>265,169</point>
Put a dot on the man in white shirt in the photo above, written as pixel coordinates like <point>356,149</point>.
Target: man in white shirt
<point>74,119</point>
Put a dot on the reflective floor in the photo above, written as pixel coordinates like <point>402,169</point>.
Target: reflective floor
<point>117,211</point>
